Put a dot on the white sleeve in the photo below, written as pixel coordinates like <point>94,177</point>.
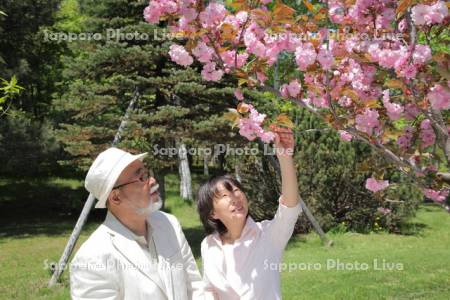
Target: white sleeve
<point>281,227</point>
<point>210,293</point>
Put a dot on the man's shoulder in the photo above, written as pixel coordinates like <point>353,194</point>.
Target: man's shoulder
<point>98,244</point>
<point>160,217</point>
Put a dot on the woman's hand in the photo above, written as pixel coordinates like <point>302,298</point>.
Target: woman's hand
<point>284,141</point>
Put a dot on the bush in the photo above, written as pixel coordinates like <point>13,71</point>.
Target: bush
<point>27,147</point>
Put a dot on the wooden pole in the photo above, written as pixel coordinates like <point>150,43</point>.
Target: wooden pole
<point>60,267</point>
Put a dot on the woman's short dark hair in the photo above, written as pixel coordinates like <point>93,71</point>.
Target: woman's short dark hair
<point>205,199</point>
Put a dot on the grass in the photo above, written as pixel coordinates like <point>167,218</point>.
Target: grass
<point>34,229</point>
<point>421,260</point>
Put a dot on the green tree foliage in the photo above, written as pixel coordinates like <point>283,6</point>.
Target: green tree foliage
<point>27,147</point>
<point>8,90</point>
<point>28,54</point>
<point>99,80</point>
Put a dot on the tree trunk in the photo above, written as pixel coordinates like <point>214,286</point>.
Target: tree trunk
<point>221,161</point>
<point>185,173</point>
<point>160,178</point>
<point>237,171</point>
<point>205,166</point>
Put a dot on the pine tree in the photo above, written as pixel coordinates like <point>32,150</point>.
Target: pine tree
<point>100,77</point>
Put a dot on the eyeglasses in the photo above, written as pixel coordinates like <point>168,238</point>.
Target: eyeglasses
<point>143,177</point>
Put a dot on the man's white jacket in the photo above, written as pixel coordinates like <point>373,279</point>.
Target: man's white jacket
<point>112,265</point>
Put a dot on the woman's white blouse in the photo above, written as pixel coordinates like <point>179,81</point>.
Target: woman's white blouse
<point>244,269</point>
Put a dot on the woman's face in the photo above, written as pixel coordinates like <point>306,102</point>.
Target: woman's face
<point>230,206</point>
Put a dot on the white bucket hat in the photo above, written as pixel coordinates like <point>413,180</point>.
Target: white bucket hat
<point>105,170</point>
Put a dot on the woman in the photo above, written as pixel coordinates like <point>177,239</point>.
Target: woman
<point>239,254</point>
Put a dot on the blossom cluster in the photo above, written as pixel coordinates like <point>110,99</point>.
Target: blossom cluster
<point>345,76</point>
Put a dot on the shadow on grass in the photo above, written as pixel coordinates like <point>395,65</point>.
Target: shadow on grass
<point>57,227</point>
<point>41,207</point>
<point>412,229</point>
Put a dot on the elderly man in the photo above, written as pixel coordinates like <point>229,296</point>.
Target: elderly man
<point>138,252</point>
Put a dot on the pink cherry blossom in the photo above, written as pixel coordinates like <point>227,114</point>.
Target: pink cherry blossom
<point>355,62</point>
<point>242,17</point>
<point>258,48</point>
<point>179,55</point>
<point>325,58</point>
<point>272,53</point>
<point>419,12</point>
<point>184,25</point>
<point>438,196</point>
<point>157,8</point>
<point>229,57</point>
<point>261,77</point>
<point>422,54</point>
<point>290,90</point>
<point>336,11</point>
<point>210,73</point>
<point>238,94</point>
<point>384,20</point>
<point>389,58</point>
<point>427,134</point>
<point>203,53</point>
<point>383,210</point>
<point>345,101</point>
<point>256,117</point>
<point>250,127</point>
<point>294,88</point>
<point>407,71</point>
<point>213,14</point>
<point>266,136</point>
<point>153,12</point>
<point>305,55</point>
<point>345,136</point>
<point>375,185</point>
<point>367,121</point>
<point>284,91</point>
<point>189,14</point>
<point>394,110</point>
<point>318,100</point>
<point>404,141</point>
<point>402,25</point>
<point>439,97</point>
<point>426,15</point>
<point>236,20</point>
<point>411,111</point>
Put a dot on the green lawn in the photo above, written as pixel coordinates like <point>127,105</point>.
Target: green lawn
<point>28,241</point>
<point>421,263</point>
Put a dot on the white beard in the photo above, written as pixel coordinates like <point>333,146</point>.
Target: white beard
<point>152,207</point>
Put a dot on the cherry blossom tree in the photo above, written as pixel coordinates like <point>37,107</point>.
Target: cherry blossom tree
<point>367,68</point>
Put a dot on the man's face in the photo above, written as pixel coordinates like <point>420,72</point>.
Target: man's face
<point>138,189</point>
